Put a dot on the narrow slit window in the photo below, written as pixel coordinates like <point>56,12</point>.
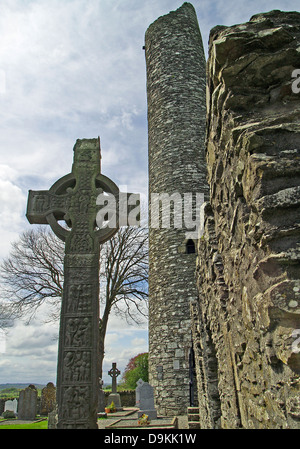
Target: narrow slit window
<point>190,247</point>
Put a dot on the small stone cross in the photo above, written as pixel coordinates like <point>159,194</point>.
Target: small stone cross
<point>114,373</point>
<point>74,199</point>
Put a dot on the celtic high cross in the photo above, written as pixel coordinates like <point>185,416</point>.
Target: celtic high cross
<point>114,373</point>
<point>74,199</point>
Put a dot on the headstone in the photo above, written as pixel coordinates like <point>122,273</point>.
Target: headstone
<point>114,396</point>
<point>146,398</point>
<point>28,403</point>
<point>11,406</point>
<point>79,199</point>
<point>48,399</point>
<point>137,392</point>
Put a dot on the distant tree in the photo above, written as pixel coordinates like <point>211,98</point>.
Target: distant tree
<point>33,274</point>
<point>12,392</point>
<point>137,368</point>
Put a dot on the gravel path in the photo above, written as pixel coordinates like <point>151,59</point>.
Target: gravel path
<point>131,417</point>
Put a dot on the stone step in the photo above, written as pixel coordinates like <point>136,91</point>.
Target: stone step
<point>193,417</point>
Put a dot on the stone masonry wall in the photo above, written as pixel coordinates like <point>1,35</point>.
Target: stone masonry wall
<point>176,128</point>
<point>247,320</point>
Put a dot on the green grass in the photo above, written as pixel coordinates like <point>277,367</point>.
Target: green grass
<point>38,425</point>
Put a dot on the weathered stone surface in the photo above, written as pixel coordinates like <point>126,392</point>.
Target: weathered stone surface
<point>74,199</point>
<point>114,396</point>
<point>48,399</point>
<point>176,124</point>
<point>246,321</point>
<point>146,401</point>
<point>27,408</point>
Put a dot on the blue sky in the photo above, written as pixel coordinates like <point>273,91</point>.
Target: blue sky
<point>76,69</point>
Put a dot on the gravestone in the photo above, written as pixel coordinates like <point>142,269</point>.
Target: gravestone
<point>28,403</point>
<point>137,392</point>
<point>48,399</point>
<point>114,396</point>
<point>146,401</point>
<point>75,199</point>
<point>11,405</point>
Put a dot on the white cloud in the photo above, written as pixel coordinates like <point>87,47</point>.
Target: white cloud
<point>138,342</point>
<point>30,352</point>
<point>12,207</point>
<point>123,342</point>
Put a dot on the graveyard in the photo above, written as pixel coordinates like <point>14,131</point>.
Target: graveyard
<point>220,289</point>
<point>117,410</point>
<point>25,413</point>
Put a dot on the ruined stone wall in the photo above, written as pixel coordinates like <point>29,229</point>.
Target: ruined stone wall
<point>247,320</point>
<point>176,129</point>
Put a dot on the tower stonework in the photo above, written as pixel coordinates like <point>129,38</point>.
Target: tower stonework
<point>176,86</point>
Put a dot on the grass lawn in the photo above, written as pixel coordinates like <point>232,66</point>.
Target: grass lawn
<point>38,425</point>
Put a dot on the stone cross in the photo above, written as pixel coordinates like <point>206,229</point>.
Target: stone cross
<point>114,373</point>
<point>73,198</point>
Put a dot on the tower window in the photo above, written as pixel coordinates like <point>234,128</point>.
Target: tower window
<point>190,247</point>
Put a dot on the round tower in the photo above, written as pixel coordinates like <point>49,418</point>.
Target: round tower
<point>176,87</point>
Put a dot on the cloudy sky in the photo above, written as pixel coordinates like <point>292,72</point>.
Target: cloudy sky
<point>76,69</point>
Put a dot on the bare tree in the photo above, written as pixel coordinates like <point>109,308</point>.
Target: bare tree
<point>124,278</point>
<point>33,275</point>
<point>6,319</point>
